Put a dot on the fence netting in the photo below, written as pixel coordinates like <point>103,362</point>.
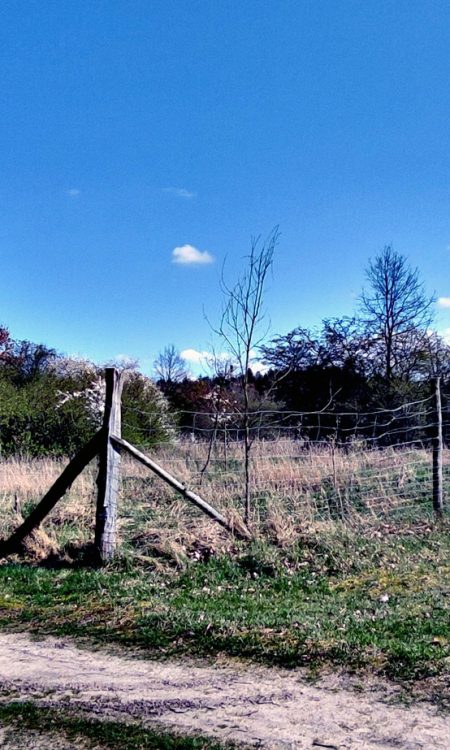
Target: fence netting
<point>306,467</point>
<point>366,471</point>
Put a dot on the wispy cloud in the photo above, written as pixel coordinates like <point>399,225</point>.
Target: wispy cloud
<point>443,301</point>
<point>189,255</point>
<point>180,192</point>
<point>73,192</point>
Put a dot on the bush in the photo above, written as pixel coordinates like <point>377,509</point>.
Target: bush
<point>55,408</point>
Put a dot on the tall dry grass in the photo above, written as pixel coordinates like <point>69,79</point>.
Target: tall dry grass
<point>318,480</point>
<point>295,488</point>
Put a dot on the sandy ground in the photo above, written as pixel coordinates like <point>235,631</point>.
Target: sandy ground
<point>256,705</point>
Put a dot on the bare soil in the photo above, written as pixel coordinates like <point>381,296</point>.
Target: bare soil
<point>255,705</point>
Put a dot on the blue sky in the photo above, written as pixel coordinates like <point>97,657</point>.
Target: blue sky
<point>130,128</point>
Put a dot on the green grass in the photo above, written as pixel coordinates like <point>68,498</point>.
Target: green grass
<point>379,604</point>
<point>108,735</point>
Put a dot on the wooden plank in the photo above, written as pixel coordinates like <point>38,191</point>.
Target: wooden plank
<point>178,486</point>
<point>109,468</point>
<point>56,491</point>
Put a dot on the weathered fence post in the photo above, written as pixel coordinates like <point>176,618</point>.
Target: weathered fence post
<point>438,499</point>
<point>109,468</point>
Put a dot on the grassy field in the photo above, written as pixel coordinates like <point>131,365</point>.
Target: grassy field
<point>378,604</point>
<point>368,591</point>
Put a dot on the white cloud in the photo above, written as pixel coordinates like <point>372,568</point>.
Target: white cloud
<point>197,357</point>
<point>259,367</point>
<point>444,301</point>
<point>205,359</point>
<point>189,255</point>
<point>180,192</point>
<point>73,192</point>
<point>256,365</point>
<point>192,355</point>
<point>445,335</point>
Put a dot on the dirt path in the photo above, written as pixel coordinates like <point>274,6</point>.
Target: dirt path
<point>255,705</point>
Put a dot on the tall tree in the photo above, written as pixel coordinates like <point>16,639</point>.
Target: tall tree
<point>396,312</point>
<point>26,361</point>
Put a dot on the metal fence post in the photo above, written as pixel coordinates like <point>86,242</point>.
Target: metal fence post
<point>438,496</point>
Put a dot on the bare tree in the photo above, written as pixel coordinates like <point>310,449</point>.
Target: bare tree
<point>344,343</point>
<point>292,351</point>
<point>170,366</point>
<point>396,311</point>
<point>240,328</point>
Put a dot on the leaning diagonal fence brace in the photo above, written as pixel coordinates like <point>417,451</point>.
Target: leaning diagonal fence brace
<point>195,499</point>
<point>56,491</point>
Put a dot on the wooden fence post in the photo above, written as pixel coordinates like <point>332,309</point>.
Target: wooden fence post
<point>109,468</point>
<point>438,499</point>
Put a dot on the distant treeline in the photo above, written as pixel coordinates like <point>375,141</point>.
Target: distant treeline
<point>384,356</point>
<point>51,404</point>
<point>347,372</point>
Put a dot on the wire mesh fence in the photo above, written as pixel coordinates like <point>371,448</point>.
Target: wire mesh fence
<point>374,472</point>
<point>353,467</point>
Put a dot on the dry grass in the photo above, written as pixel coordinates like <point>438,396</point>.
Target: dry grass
<point>23,482</point>
<point>295,491</point>
<point>307,485</point>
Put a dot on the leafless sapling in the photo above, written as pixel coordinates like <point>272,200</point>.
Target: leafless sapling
<point>241,329</point>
